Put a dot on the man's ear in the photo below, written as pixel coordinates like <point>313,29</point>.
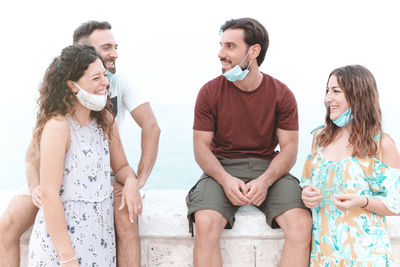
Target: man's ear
<point>255,51</point>
<point>71,86</point>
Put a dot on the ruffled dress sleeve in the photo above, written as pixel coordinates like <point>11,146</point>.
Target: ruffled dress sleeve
<point>383,181</point>
<point>385,186</point>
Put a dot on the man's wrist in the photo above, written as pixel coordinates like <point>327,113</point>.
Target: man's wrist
<point>266,179</point>
<point>141,181</point>
<point>224,177</point>
<point>33,187</point>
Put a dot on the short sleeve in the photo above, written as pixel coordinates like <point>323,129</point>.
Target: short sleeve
<point>287,112</point>
<point>204,117</point>
<point>385,185</point>
<point>132,97</point>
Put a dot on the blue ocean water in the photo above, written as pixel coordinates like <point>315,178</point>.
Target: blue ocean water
<point>175,167</point>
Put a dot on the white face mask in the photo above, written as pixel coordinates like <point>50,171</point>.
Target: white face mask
<point>91,101</point>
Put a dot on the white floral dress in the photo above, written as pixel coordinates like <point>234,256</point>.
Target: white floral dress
<point>86,194</point>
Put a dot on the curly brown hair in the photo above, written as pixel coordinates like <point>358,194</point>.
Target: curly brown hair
<point>55,96</point>
<point>361,93</point>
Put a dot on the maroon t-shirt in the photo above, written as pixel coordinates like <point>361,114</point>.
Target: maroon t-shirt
<point>245,123</point>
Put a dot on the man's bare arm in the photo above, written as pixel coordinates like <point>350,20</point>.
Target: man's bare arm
<point>285,160</point>
<point>32,170</point>
<point>124,175</point>
<point>144,117</point>
<point>32,165</point>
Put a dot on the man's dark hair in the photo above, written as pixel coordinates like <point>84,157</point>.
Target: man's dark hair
<point>86,29</point>
<point>254,33</point>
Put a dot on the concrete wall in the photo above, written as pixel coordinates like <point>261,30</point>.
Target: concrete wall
<point>166,242</point>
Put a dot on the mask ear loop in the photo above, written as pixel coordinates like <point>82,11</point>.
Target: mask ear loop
<point>249,65</point>
<point>79,88</point>
<point>72,90</point>
<point>244,57</point>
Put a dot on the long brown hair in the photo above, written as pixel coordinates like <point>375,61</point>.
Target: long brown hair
<point>55,96</point>
<point>361,93</point>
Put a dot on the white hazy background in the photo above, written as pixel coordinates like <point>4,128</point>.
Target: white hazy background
<point>171,48</point>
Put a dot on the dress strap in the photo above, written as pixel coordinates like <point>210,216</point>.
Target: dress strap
<point>315,141</point>
<point>377,139</point>
<point>321,126</point>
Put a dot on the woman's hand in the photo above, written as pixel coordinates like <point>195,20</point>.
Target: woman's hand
<point>348,201</point>
<point>131,198</point>
<point>311,196</point>
<point>37,197</point>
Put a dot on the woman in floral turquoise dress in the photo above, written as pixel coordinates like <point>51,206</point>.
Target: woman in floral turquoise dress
<point>351,179</point>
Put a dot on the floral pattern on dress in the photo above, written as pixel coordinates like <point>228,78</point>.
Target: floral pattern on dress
<point>356,237</point>
<point>86,195</point>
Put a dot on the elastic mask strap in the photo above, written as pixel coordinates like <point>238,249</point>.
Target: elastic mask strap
<point>248,51</point>
<point>248,66</point>
<point>79,88</point>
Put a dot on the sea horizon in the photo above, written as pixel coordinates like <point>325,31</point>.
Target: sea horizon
<point>175,167</point>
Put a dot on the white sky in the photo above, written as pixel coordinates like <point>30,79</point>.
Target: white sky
<point>171,47</point>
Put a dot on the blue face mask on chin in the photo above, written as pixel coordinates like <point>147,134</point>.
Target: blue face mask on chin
<point>236,73</point>
<point>343,119</point>
<point>109,74</point>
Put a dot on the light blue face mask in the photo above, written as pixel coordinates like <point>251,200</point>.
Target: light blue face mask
<point>344,119</point>
<point>109,74</point>
<point>236,73</point>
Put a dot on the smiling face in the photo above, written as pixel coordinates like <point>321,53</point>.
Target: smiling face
<point>94,79</point>
<point>335,99</point>
<point>233,49</point>
<point>104,43</point>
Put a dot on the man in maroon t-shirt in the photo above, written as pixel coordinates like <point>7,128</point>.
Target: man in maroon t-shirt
<point>240,118</point>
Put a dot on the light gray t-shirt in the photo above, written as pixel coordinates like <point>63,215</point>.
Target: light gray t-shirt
<point>124,94</point>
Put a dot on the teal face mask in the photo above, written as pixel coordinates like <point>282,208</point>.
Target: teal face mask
<point>344,119</point>
<point>236,73</point>
<point>109,74</point>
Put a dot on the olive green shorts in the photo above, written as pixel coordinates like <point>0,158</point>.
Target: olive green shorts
<point>207,194</point>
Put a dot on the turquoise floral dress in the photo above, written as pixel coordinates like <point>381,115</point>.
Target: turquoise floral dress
<point>356,237</point>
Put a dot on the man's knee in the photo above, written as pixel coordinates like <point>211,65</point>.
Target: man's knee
<point>6,224</point>
<point>209,222</point>
<point>296,225</point>
<point>18,217</point>
<point>124,228</point>
<point>127,229</point>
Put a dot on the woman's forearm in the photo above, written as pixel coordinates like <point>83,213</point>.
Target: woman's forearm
<point>376,205</point>
<point>56,225</point>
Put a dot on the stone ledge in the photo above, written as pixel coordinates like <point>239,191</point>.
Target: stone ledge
<point>165,239</point>
<point>164,215</point>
